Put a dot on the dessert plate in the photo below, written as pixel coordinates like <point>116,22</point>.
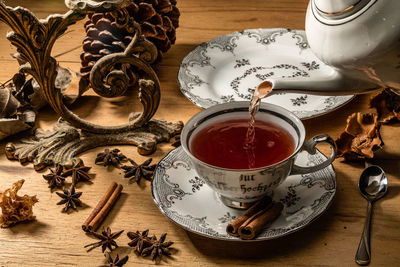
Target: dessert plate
<point>185,199</point>
<point>229,68</point>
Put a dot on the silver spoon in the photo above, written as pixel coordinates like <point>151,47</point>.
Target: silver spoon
<point>373,185</point>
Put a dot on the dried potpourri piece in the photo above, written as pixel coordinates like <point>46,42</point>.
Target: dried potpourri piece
<point>110,157</point>
<point>387,104</point>
<point>137,172</point>
<point>106,240</point>
<point>79,173</point>
<point>16,208</point>
<point>70,198</point>
<point>117,262</point>
<point>139,240</point>
<point>55,178</point>
<point>158,248</point>
<point>360,138</point>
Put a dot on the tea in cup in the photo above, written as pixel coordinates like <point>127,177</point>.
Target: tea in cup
<point>214,139</point>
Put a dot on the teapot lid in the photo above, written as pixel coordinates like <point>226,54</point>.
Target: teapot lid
<point>339,11</point>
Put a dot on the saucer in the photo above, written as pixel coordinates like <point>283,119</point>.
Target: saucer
<point>186,200</point>
<point>229,68</point>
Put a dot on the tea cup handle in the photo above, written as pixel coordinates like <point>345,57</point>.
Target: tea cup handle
<point>310,147</point>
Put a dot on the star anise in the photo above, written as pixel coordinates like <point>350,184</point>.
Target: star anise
<point>70,198</point>
<point>110,157</point>
<point>78,173</point>
<point>158,248</point>
<point>117,262</point>
<point>139,240</point>
<point>106,239</point>
<point>137,172</point>
<point>55,178</point>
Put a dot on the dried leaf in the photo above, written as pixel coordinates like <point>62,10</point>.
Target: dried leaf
<point>31,93</point>
<point>22,122</point>
<point>387,104</point>
<point>8,103</point>
<point>18,57</point>
<point>360,138</point>
<point>18,80</point>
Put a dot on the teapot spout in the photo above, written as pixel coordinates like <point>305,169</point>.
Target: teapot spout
<point>336,83</point>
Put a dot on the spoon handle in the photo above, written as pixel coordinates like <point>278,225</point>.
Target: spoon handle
<point>363,255</point>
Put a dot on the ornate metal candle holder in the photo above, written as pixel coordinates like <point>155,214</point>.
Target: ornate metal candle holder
<point>34,40</point>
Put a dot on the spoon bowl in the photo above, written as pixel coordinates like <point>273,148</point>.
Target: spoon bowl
<point>373,185</point>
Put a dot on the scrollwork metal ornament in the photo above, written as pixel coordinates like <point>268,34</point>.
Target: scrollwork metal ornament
<point>65,142</point>
<point>34,40</point>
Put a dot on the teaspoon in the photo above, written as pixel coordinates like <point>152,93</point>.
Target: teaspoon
<point>373,185</point>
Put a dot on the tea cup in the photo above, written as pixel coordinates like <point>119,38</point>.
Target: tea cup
<point>239,188</point>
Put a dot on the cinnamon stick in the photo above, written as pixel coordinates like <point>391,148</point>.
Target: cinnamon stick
<point>95,223</point>
<point>233,227</point>
<point>99,205</point>
<point>103,208</point>
<point>253,226</point>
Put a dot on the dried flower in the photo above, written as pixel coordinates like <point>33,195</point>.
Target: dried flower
<point>360,138</point>
<point>106,239</point>
<point>115,262</point>
<point>387,104</point>
<point>110,157</point>
<point>15,208</point>
<point>70,198</point>
<point>55,178</point>
<point>137,172</point>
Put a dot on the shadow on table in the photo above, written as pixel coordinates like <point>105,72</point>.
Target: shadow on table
<point>114,211</point>
<point>393,191</point>
<point>390,166</point>
<point>28,227</point>
<point>276,248</point>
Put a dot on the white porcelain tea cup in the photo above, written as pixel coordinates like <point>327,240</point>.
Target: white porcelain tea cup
<point>240,187</point>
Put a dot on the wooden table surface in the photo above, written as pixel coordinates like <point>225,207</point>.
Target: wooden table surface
<point>56,238</point>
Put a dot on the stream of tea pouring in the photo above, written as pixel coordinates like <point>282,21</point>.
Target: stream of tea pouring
<point>263,90</point>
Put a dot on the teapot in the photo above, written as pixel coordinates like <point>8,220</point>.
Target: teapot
<point>359,39</point>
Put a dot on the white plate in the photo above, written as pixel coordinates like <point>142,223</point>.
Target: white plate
<point>185,199</point>
<point>229,68</point>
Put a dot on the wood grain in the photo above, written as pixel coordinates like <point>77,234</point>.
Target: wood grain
<point>57,238</point>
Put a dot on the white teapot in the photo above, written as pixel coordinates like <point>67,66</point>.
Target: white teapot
<point>359,39</point>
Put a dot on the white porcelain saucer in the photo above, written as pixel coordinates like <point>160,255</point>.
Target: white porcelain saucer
<point>185,199</point>
<point>229,68</point>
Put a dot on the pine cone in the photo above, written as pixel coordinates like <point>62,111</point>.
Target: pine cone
<point>158,19</point>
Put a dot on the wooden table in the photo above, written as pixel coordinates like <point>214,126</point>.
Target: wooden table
<point>56,238</point>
